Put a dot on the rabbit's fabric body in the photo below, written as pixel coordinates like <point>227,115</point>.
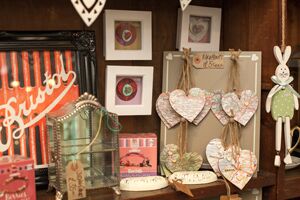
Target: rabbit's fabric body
<point>283,104</point>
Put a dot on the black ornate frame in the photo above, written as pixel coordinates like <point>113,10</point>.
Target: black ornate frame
<point>81,42</point>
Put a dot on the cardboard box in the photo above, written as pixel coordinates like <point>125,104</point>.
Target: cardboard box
<point>138,154</point>
<point>17,178</point>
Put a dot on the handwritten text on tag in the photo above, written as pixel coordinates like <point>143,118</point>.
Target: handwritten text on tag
<point>75,180</point>
<point>208,60</point>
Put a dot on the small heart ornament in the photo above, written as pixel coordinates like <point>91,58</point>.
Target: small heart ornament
<point>216,107</point>
<point>88,10</point>
<point>165,111</point>
<point>170,158</point>
<point>184,4</point>
<point>207,105</point>
<point>214,152</point>
<point>243,109</point>
<point>240,170</point>
<point>187,106</point>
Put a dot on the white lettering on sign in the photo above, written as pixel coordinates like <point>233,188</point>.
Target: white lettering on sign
<point>13,117</point>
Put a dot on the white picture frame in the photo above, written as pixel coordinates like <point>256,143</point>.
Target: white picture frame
<point>199,28</point>
<point>129,90</point>
<point>127,35</point>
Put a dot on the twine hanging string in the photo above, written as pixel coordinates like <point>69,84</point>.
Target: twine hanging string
<point>185,83</point>
<point>231,132</point>
<point>234,84</point>
<point>283,25</point>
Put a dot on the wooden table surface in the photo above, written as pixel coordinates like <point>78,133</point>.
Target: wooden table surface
<point>199,191</point>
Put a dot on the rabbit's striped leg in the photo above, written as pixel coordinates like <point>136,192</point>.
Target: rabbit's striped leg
<point>278,141</point>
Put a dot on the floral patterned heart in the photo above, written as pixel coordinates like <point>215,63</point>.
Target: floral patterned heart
<point>165,111</point>
<point>206,108</point>
<point>187,106</point>
<point>240,170</point>
<point>216,107</point>
<point>243,109</point>
<point>170,158</point>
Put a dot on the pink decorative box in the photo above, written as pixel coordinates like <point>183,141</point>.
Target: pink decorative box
<point>138,154</point>
<point>17,178</point>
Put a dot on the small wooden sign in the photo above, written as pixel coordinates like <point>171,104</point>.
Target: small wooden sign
<point>75,180</point>
<point>208,60</point>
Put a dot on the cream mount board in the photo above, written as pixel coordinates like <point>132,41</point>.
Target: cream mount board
<point>214,79</point>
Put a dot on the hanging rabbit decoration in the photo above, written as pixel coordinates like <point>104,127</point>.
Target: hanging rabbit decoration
<point>281,101</point>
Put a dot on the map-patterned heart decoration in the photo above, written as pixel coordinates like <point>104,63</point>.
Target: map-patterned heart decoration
<point>214,152</point>
<point>187,106</point>
<point>240,170</point>
<point>170,158</point>
<point>217,109</point>
<point>243,109</point>
<point>207,105</point>
<point>88,10</point>
<point>184,4</point>
<point>165,111</point>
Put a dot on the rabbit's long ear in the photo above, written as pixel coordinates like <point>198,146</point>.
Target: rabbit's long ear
<point>287,54</point>
<point>277,54</point>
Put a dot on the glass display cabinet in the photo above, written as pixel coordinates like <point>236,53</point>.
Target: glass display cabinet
<point>83,130</point>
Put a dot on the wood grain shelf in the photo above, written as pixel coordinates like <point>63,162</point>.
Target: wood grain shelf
<point>264,179</point>
<point>291,183</point>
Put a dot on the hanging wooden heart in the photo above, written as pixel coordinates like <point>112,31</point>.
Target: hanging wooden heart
<point>187,106</point>
<point>206,108</point>
<point>243,109</point>
<point>165,111</point>
<point>215,152</point>
<point>88,10</point>
<point>217,109</point>
<point>184,4</point>
<point>170,157</point>
<point>240,170</point>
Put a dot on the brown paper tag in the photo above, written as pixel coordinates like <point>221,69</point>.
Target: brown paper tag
<point>232,197</point>
<point>208,60</point>
<point>178,186</point>
<point>75,180</point>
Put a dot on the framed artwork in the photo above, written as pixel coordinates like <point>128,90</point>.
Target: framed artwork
<point>129,90</point>
<point>128,35</point>
<point>40,72</point>
<point>199,28</point>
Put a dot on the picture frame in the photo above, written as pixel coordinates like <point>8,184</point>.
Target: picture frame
<point>127,35</point>
<point>199,28</point>
<point>129,90</point>
<point>62,61</point>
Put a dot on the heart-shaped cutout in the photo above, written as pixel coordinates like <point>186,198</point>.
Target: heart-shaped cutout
<point>216,107</point>
<point>215,152</point>
<point>254,57</point>
<point>165,111</point>
<point>187,106</point>
<point>170,158</point>
<point>242,109</point>
<point>240,170</point>
<point>198,28</point>
<point>206,108</point>
<point>169,56</point>
<point>88,10</point>
<point>184,4</point>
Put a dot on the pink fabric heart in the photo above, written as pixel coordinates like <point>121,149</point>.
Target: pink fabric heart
<point>217,109</point>
<point>243,109</point>
<point>165,111</point>
<point>240,170</point>
<point>187,106</point>
<point>206,108</point>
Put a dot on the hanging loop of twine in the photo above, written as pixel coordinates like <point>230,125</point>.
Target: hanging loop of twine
<point>234,74</point>
<point>231,136</point>
<point>185,83</point>
<point>283,25</point>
